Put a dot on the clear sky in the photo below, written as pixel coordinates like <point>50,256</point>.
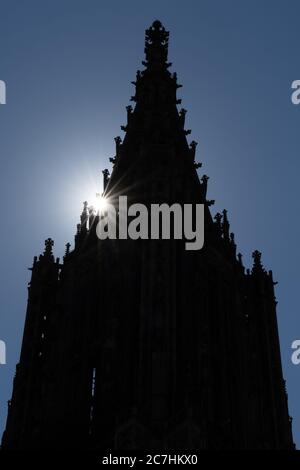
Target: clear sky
<point>68,67</point>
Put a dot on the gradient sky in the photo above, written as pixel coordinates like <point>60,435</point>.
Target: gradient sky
<point>68,67</point>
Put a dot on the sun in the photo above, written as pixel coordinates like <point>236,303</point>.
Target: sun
<point>99,203</point>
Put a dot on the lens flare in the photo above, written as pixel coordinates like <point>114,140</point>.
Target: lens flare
<point>99,203</point>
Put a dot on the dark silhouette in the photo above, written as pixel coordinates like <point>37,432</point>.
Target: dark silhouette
<point>141,344</point>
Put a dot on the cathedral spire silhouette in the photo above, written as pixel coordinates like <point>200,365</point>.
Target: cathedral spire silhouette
<point>140,344</point>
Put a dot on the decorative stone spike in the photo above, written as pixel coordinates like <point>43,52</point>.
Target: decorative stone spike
<point>48,246</point>
<point>129,113</point>
<point>84,214</point>
<point>225,225</point>
<point>118,142</point>
<point>232,242</point>
<point>257,265</point>
<point>193,146</point>
<point>204,180</point>
<point>48,255</point>
<point>67,252</point>
<point>156,46</point>
<point>218,219</point>
<point>182,115</point>
<point>105,178</point>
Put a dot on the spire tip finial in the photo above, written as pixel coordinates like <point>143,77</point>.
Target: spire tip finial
<point>156,46</point>
<point>257,264</point>
<point>48,254</point>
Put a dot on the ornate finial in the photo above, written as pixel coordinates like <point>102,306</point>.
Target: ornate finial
<point>48,248</point>
<point>118,142</point>
<point>129,113</point>
<point>225,225</point>
<point>156,46</point>
<point>240,258</point>
<point>182,114</point>
<point>218,219</point>
<point>232,242</point>
<point>105,178</point>
<point>129,109</point>
<point>204,180</point>
<point>256,255</point>
<point>193,146</point>
<point>84,214</point>
<point>68,246</point>
<point>257,266</point>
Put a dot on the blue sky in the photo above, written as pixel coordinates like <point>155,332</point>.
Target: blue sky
<point>68,67</point>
